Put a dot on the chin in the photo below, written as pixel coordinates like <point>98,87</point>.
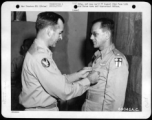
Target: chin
<point>95,46</point>
<point>54,45</point>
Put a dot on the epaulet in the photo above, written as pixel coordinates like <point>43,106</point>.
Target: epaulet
<point>35,49</point>
<point>40,50</point>
<point>117,53</point>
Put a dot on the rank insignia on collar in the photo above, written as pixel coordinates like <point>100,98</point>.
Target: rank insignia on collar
<point>118,62</point>
<point>45,62</point>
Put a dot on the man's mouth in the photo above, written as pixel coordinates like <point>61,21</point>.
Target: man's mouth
<point>56,41</point>
<point>94,42</point>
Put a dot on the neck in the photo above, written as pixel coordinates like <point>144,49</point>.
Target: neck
<point>41,37</point>
<point>107,44</point>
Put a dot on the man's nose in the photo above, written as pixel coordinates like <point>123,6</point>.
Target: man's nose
<point>91,37</point>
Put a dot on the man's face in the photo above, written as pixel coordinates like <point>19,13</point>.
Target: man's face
<point>98,36</point>
<point>57,35</point>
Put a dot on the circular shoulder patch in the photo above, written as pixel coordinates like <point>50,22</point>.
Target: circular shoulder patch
<point>45,62</point>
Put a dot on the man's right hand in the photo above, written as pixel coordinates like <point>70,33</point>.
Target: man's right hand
<point>94,77</point>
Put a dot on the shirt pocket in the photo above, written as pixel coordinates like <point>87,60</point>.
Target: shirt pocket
<point>102,68</point>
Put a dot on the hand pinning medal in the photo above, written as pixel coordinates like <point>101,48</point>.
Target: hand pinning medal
<point>118,62</point>
<point>45,62</point>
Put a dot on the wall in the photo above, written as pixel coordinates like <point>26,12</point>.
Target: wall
<point>74,36</point>
<point>77,25</point>
<point>129,41</point>
<point>20,30</point>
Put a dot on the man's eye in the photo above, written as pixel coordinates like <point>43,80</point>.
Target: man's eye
<point>60,33</point>
<point>94,34</point>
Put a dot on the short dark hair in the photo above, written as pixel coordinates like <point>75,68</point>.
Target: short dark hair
<point>105,24</point>
<point>28,42</point>
<point>47,18</point>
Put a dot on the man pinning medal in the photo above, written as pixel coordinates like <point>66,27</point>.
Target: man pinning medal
<point>42,81</point>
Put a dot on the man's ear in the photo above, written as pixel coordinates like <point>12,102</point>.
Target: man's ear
<point>108,33</point>
<point>49,31</point>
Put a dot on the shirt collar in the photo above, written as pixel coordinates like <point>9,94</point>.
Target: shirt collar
<point>41,44</point>
<point>105,51</point>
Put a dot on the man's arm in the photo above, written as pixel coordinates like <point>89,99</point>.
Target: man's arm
<point>78,75</point>
<point>55,83</point>
<point>116,86</point>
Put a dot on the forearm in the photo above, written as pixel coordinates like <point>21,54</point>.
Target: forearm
<point>76,89</point>
<point>72,77</point>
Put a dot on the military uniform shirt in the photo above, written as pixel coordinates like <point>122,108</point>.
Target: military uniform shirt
<point>109,93</point>
<point>43,82</point>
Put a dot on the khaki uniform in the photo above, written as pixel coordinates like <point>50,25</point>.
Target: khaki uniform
<point>109,93</point>
<point>43,82</point>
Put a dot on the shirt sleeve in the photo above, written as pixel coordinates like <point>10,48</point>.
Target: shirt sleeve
<point>116,86</point>
<point>72,78</point>
<point>55,83</point>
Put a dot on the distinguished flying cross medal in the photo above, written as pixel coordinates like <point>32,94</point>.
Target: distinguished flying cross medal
<point>45,62</point>
<point>118,62</point>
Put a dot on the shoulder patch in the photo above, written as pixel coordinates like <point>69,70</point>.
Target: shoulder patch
<point>118,61</point>
<point>45,62</point>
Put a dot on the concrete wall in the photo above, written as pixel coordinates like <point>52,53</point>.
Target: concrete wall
<point>74,37</point>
